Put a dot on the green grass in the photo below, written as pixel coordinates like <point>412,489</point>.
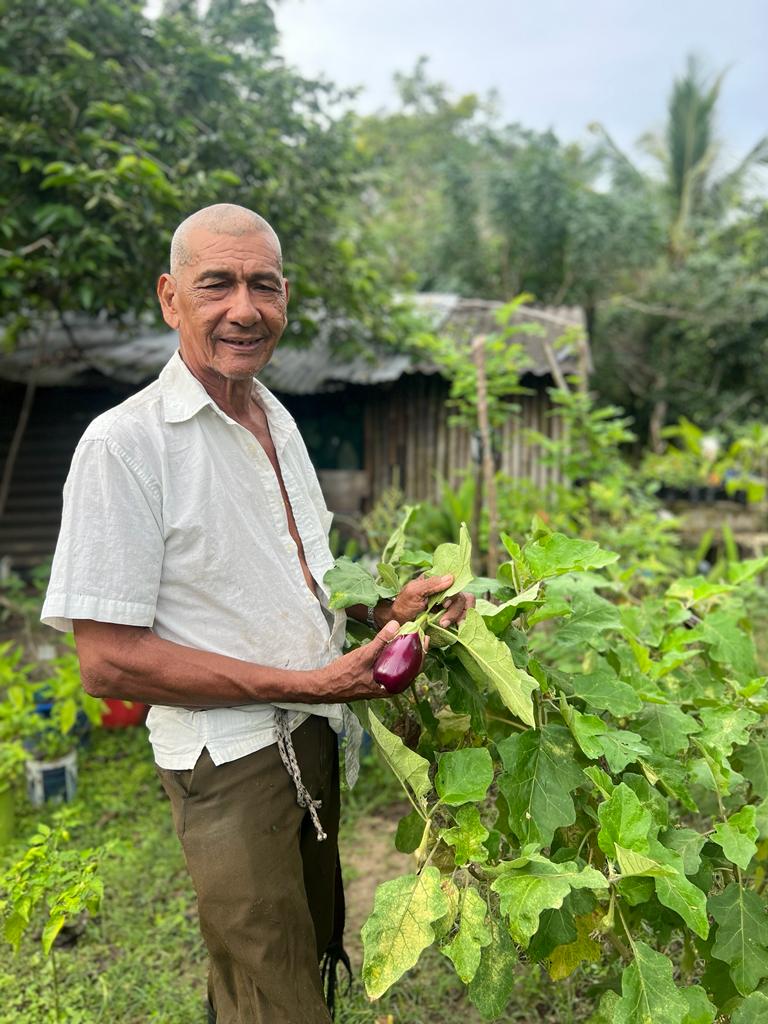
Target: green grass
<point>142,960</point>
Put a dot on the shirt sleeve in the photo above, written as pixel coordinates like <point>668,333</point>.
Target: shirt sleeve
<point>109,553</point>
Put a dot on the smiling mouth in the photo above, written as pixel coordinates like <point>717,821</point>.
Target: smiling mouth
<point>240,342</point>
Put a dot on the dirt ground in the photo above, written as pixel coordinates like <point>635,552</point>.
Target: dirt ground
<point>368,858</point>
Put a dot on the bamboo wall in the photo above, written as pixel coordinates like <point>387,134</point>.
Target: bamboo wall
<point>409,444</point>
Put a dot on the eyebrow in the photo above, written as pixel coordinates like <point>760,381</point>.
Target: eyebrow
<point>227,275</point>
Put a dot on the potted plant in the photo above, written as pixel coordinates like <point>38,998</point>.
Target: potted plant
<point>64,712</point>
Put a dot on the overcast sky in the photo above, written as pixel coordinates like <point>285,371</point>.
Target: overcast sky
<point>554,63</point>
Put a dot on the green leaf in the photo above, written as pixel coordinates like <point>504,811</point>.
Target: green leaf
<point>410,768</point>
<point>693,589</point>
<point>591,616</point>
<point>686,899</point>
<point>754,1010</point>
<point>686,843</point>
<point>742,935</point>
<point>740,572</point>
<point>488,660</point>
<point>53,926</point>
<point>603,689</point>
<point>454,560</point>
<point>648,992</point>
<point>349,583</point>
<point>410,829</point>
<point>728,641</point>
<point>737,836</point>
<point>606,1010</point>
<point>540,885</point>
<point>637,865</point>
<point>14,926</point>
<point>463,776</point>
<point>400,927</point>
<point>671,776</point>
<point>465,949</point>
<point>556,554</point>
<point>388,576</point>
<point>396,543</point>
<point>699,1009</point>
<point>666,727</point>
<point>501,616</point>
<point>539,774</point>
<point>557,927</point>
<point>621,748</point>
<point>623,822</point>
<point>597,739</point>
<point>602,780</point>
<point>586,730</point>
<point>494,980</point>
<point>465,697</point>
<point>564,960</point>
<point>467,836</point>
<point>451,728</point>
<point>753,763</point>
<point>726,727</point>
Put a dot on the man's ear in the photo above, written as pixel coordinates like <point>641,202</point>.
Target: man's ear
<point>166,293</point>
<point>287,287</point>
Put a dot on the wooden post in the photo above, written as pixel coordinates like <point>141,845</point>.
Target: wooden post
<point>15,446</point>
<point>489,472</point>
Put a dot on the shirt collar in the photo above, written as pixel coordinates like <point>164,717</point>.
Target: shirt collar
<point>184,396</point>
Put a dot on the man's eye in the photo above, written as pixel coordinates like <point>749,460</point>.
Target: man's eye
<point>210,287</point>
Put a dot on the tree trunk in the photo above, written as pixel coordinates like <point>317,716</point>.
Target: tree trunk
<point>489,472</point>
<point>18,437</point>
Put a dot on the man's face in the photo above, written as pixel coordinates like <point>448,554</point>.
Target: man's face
<point>228,304</point>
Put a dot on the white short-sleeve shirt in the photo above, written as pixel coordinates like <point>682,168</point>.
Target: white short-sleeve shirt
<point>173,519</point>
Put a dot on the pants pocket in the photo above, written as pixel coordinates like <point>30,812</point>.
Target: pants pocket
<point>177,784</point>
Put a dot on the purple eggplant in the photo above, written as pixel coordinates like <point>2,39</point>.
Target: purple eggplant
<point>399,663</point>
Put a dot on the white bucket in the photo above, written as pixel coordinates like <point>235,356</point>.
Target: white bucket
<point>48,780</point>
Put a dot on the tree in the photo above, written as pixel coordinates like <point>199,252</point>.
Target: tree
<point>690,334</point>
<point>115,126</point>
<point>423,197</point>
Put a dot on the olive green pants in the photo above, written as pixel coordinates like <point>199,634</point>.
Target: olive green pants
<point>265,885</point>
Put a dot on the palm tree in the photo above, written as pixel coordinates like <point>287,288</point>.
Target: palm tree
<point>687,152</point>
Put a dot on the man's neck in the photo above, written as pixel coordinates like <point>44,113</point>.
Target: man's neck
<point>234,397</point>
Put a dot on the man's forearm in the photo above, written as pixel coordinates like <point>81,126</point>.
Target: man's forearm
<point>133,663</point>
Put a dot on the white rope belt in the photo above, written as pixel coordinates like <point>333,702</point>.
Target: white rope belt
<point>288,757</point>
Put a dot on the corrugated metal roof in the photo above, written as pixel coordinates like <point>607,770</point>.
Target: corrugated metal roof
<point>88,349</point>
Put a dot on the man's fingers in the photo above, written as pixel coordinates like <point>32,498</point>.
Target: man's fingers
<point>434,584</point>
<point>458,609</point>
<point>382,638</point>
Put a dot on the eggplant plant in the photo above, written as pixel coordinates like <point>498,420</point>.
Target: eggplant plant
<point>589,784</point>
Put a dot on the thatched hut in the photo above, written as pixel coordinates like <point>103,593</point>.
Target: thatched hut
<point>370,421</point>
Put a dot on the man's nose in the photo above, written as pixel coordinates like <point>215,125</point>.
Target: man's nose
<point>244,309</point>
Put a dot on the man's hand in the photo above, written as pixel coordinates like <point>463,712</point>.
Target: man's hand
<point>350,677</point>
<point>414,597</point>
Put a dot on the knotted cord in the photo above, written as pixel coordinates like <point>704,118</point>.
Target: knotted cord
<point>288,757</point>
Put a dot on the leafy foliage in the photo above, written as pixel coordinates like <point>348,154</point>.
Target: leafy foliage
<point>600,813</point>
<point>117,125</point>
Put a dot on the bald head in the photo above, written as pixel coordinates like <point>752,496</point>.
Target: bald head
<point>220,219</point>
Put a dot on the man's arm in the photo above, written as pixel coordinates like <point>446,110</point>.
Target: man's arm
<point>133,663</point>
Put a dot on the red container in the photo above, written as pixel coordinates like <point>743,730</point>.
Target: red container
<point>120,715</point>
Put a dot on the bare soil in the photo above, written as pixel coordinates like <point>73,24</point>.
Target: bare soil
<point>369,857</point>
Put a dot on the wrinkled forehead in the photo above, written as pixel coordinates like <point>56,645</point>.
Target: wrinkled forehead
<point>245,251</point>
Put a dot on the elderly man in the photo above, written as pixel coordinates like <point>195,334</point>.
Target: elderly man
<point>190,564</point>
